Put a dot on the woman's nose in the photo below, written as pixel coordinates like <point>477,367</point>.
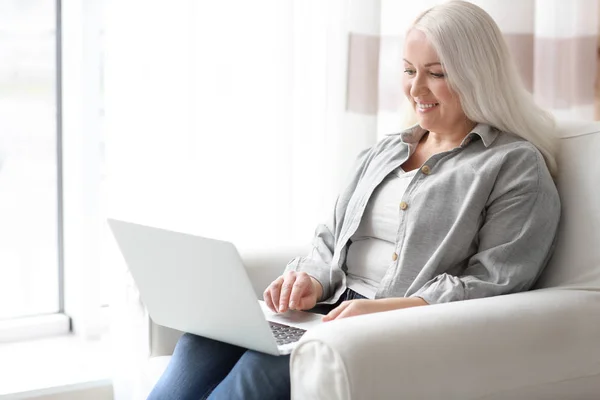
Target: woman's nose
<point>418,87</point>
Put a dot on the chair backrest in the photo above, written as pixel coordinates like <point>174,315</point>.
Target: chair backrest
<point>576,260</point>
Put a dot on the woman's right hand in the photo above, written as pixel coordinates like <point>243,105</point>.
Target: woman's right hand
<point>294,291</point>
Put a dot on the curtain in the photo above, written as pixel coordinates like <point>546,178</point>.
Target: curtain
<point>234,120</point>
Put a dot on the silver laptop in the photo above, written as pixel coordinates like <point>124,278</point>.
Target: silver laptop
<point>199,285</point>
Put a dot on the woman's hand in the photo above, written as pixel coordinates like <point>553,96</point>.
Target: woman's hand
<point>351,308</point>
<point>294,291</point>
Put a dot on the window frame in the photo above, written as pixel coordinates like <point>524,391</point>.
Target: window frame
<point>20,328</point>
<point>79,172</point>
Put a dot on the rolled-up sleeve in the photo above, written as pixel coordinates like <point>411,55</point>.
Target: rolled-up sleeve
<point>318,263</point>
<point>516,239</point>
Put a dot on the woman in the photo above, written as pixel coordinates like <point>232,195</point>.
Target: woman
<point>460,206</point>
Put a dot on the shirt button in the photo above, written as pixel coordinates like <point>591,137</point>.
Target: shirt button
<point>426,170</point>
<point>394,256</point>
<point>403,206</point>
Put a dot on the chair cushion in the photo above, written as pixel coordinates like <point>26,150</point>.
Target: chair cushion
<point>576,260</point>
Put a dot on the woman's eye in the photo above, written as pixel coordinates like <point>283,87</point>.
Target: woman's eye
<point>409,72</point>
<point>437,75</point>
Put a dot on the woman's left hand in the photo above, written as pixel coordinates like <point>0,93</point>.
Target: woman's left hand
<point>351,308</point>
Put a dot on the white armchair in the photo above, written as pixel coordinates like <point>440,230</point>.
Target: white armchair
<point>541,344</point>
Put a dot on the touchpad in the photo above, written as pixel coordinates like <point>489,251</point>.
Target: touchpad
<point>299,319</point>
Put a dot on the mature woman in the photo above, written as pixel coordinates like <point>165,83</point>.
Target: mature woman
<point>460,206</point>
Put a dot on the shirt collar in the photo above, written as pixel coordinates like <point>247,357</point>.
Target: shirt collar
<point>485,132</point>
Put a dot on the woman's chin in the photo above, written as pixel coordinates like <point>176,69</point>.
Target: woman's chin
<point>425,123</point>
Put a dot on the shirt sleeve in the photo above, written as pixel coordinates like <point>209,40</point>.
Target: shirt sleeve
<point>318,263</point>
<point>516,238</point>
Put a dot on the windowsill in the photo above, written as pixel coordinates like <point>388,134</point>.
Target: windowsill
<point>53,365</point>
<point>34,327</point>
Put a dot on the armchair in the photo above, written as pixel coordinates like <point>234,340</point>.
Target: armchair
<point>541,344</point>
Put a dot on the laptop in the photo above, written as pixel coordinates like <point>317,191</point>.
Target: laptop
<point>199,285</point>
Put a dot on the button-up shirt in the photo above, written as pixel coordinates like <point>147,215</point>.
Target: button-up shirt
<point>475,221</point>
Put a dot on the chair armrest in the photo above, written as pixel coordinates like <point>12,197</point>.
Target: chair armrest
<point>463,350</point>
<point>262,266</point>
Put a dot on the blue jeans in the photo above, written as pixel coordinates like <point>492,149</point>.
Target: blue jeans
<point>203,368</point>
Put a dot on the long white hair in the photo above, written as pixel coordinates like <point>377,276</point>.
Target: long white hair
<point>480,69</point>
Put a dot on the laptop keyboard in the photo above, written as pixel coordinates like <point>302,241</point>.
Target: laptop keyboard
<point>285,334</point>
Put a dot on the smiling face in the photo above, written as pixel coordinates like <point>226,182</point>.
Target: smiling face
<point>437,107</point>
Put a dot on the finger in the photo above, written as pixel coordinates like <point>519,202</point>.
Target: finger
<point>269,300</point>
<point>275,289</point>
<point>286,290</point>
<point>306,302</point>
<point>299,290</point>
<point>333,314</point>
<point>348,311</point>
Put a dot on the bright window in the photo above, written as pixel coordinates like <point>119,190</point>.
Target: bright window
<point>29,184</point>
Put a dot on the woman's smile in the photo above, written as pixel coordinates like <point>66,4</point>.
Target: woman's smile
<point>425,107</point>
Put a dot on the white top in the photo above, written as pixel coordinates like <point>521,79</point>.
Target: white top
<point>374,241</point>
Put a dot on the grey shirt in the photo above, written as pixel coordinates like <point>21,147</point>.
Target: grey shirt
<point>479,220</point>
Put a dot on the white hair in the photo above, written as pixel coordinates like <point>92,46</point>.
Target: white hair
<point>480,69</point>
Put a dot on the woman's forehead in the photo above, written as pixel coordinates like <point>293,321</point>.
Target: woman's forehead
<point>418,49</point>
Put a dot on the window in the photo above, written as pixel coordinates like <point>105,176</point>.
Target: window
<point>29,160</point>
